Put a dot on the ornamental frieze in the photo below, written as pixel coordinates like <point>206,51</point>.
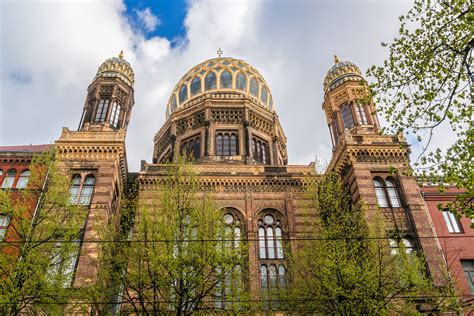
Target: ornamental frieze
<point>227,116</point>
<point>191,122</point>
<point>259,123</point>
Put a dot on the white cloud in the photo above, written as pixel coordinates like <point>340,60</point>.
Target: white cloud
<point>51,51</point>
<point>149,21</point>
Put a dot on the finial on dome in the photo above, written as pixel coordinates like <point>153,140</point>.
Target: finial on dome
<point>121,54</point>
<point>336,60</point>
<point>219,52</point>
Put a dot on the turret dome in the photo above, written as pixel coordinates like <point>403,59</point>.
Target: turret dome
<point>222,74</point>
<point>341,72</point>
<point>117,67</point>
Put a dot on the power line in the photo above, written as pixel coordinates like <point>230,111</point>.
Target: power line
<point>286,239</point>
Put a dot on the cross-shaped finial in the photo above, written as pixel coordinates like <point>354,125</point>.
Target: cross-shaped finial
<point>219,52</point>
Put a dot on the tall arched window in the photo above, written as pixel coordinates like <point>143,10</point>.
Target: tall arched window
<point>387,192</point>
<point>260,151</point>
<point>230,282</point>
<point>196,86</point>
<point>241,82</point>
<point>174,103</point>
<point>114,116</point>
<point>23,179</point>
<point>347,118</point>
<point>102,109</point>
<point>380,193</point>
<point>264,96</point>
<point>226,144</point>
<point>81,188</point>
<point>254,87</point>
<point>9,179</point>
<point>210,81</point>
<point>272,256</point>
<point>361,116</point>
<point>191,147</point>
<point>397,243</point>
<point>183,94</point>
<point>226,80</point>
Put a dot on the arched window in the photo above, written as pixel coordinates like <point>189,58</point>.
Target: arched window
<point>392,193</point>
<point>81,188</point>
<point>9,179</point>
<point>191,147</point>
<point>226,80</point>
<point>380,193</point>
<point>397,243</point>
<point>361,116</point>
<point>23,179</point>
<point>174,104</point>
<point>4,222</point>
<point>102,109</point>
<point>347,118</point>
<point>183,94</point>
<point>254,87</point>
<point>241,82</point>
<point>114,116</point>
<point>196,86</point>
<point>264,96</point>
<point>230,281</point>
<point>272,256</point>
<point>260,151</point>
<point>226,144</point>
<point>210,81</point>
<point>387,193</point>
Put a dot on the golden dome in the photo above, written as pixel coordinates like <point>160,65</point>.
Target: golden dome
<point>341,72</point>
<point>222,74</point>
<point>116,67</point>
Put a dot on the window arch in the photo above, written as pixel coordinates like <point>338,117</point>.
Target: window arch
<point>9,179</point>
<point>196,86</point>
<point>227,144</point>
<point>270,237</point>
<point>23,179</point>
<point>386,192</point>
<point>397,243</point>
<point>254,87</point>
<point>241,82</point>
<point>183,94</point>
<point>361,115</point>
<point>210,81</point>
<point>226,80</point>
<point>81,189</point>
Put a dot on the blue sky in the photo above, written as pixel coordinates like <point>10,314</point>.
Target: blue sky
<point>170,14</point>
<point>50,52</point>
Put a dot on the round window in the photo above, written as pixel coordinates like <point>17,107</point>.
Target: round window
<point>268,219</point>
<point>228,218</point>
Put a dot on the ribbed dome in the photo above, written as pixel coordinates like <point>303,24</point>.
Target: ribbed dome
<point>223,74</point>
<point>341,72</point>
<point>117,67</point>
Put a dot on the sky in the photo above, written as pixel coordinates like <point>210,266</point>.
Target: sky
<point>50,52</point>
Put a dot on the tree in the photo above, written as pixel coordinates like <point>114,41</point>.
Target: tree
<point>347,267</point>
<point>37,256</point>
<point>181,257</point>
<point>426,85</point>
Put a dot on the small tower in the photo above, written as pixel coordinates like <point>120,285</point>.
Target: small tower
<point>109,98</point>
<point>374,165</point>
<point>94,158</point>
<point>347,102</point>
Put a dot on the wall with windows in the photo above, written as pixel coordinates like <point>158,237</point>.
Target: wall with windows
<point>455,236</point>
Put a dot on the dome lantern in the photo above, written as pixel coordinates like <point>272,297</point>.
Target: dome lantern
<point>341,72</point>
<point>117,67</point>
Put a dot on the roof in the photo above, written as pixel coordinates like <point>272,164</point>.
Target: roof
<point>26,148</point>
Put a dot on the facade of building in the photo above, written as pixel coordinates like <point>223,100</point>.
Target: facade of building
<point>222,113</point>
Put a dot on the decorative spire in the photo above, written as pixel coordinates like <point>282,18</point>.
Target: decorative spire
<point>336,60</point>
<point>121,54</point>
<point>219,52</point>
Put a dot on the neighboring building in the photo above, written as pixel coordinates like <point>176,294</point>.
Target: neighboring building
<point>222,112</point>
<point>456,238</point>
<point>15,174</point>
